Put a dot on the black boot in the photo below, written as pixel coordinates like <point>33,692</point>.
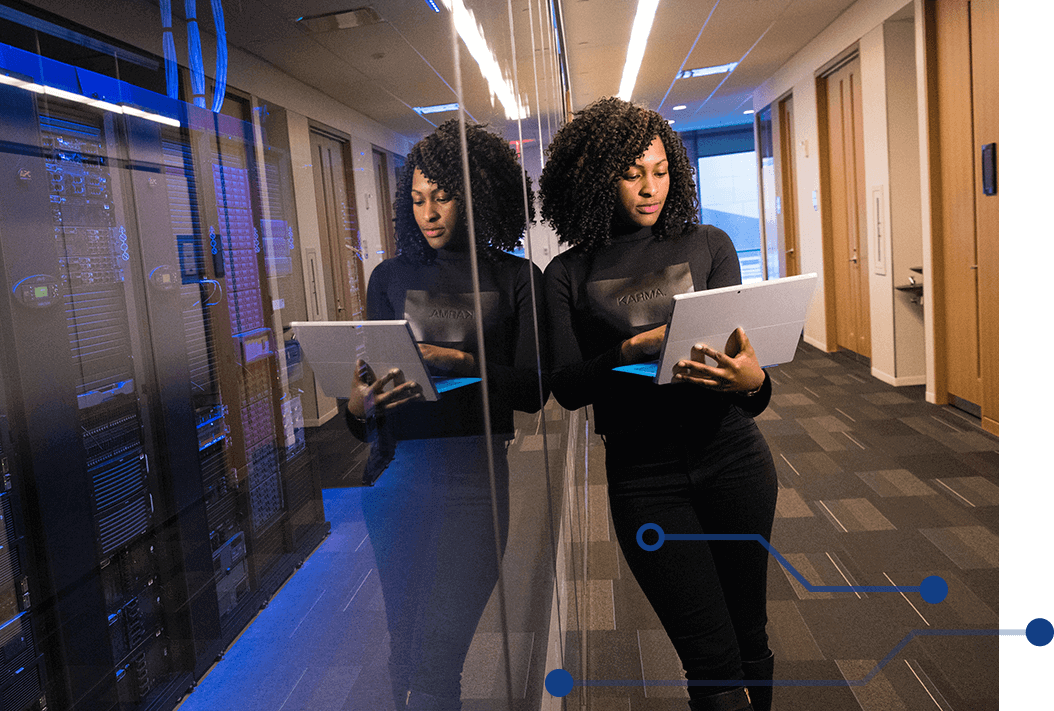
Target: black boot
<point>732,700</point>
<point>761,670</point>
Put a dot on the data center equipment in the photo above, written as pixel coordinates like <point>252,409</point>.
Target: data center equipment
<point>156,490</point>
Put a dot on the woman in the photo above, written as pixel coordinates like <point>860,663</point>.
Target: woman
<point>430,516</point>
<point>686,456</point>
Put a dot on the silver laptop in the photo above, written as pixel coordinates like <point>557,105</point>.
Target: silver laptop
<point>772,313</point>
<point>332,347</point>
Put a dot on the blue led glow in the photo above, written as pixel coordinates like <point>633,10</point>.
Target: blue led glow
<point>221,56</point>
<point>197,65</point>
<point>431,4</point>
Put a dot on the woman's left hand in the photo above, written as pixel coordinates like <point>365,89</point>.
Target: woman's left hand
<point>737,369</point>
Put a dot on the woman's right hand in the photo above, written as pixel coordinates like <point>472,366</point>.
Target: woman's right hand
<point>368,392</point>
<point>644,346</point>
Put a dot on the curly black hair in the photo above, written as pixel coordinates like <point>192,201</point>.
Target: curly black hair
<point>497,189</point>
<point>588,156</point>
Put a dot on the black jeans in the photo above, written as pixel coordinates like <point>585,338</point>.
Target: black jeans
<point>709,595</point>
<point>431,525</point>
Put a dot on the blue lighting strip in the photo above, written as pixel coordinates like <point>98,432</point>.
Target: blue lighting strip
<point>197,63</point>
<point>432,4</point>
<point>221,56</point>
<point>42,75</point>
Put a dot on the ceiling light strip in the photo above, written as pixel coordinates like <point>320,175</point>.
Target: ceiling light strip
<point>96,103</point>
<point>437,109</point>
<point>708,71</point>
<point>638,40</point>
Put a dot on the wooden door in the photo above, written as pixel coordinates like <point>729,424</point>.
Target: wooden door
<point>338,230</point>
<point>964,44</point>
<point>787,190</point>
<point>847,239</point>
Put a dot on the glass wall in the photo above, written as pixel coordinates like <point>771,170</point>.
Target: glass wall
<point>159,246</point>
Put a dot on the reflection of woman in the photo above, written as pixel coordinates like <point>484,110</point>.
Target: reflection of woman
<point>430,517</point>
<point>685,456</point>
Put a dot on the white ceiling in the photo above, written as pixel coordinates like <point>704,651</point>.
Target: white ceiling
<point>405,59</point>
<point>384,69</point>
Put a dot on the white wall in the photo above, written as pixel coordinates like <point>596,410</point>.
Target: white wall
<point>904,200</point>
<point>876,171</point>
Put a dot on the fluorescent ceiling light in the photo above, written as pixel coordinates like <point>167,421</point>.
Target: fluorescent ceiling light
<point>707,71</point>
<point>471,34</point>
<point>438,108</point>
<point>97,103</point>
<point>150,116</point>
<point>680,107</point>
<point>749,111</point>
<point>670,121</point>
<point>638,40</point>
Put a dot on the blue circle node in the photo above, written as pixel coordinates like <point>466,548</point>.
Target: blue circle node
<point>1039,632</point>
<point>934,589</point>
<point>650,546</point>
<point>559,683</point>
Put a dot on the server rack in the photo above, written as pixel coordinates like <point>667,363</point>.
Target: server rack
<point>160,491</point>
<point>22,670</point>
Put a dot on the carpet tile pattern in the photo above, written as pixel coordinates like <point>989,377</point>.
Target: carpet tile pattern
<point>877,487</point>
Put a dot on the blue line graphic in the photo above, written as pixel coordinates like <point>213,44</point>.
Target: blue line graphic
<point>934,589</point>
<point>560,683</point>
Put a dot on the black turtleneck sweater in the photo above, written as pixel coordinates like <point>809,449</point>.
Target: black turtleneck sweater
<point>596,300</point>
<point>437,300</point>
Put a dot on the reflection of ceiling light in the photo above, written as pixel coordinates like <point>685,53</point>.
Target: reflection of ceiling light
<point>469,31</point>
<point>345,19</point>
<point>638,40</point>
<point>707,71</point>
<point>749,111</point>
<point>680,107</point>
<point>97,103</point>
<point>438,108</point>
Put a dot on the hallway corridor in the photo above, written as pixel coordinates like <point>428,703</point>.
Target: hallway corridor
<point>877,487</point>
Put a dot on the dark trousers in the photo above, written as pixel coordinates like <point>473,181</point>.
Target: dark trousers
<point>709,595</point>
<point>431,525</point>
